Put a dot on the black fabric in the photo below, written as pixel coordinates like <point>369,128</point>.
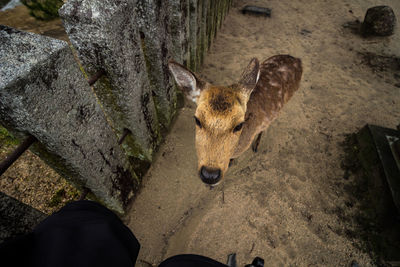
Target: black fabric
<point>82,234</point>
<point>190,260</point>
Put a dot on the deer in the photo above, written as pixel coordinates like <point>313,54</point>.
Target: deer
<point>230,119</point>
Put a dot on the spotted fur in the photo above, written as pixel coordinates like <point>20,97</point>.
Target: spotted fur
<point>256,100</point>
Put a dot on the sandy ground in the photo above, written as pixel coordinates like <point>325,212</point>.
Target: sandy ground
<point>285,202</point>
<point>282,203</point>
<point>34,183</point>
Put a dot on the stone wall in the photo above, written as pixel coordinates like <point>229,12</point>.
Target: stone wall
<point>44,93</point>
<point>133,41</point>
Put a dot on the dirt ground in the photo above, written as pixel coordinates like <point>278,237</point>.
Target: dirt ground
<point>19,18</point>
<point>284,203</point>
<point>34,183</point>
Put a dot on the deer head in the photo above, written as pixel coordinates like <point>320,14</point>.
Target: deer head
<point>219,117</point>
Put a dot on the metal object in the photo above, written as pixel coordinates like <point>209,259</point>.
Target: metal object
<point>257,10</point>
<point>232,260</point>
<point>394,144</point>
<point>96,76</point>
<point>381,138</point>
<point>257,262</point>
<point>124,135</point>
<point>13,156</point>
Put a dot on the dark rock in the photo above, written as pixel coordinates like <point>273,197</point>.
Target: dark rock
<point>379,21</point>
<point>16,217</point>
<point>381,62</point>
<point>257,10</point>
<point>305,32</point>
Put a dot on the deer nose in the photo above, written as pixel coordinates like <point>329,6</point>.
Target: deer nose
<point>210,175</point>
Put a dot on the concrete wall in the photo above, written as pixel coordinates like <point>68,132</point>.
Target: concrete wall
<point>44,93</point>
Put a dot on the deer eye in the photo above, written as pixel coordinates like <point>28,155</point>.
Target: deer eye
<point>238,127</point>
<point>198,123</point>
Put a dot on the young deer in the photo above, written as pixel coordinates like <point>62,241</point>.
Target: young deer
<point>228,118</point>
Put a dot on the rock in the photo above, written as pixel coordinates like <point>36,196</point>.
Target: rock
<point>44,93</point>
<point>257,10</point>
<point>379,21</point>
<point>6,4</point>
<point>153,22</point>
<point>16,217</point>
<point>106,35</point>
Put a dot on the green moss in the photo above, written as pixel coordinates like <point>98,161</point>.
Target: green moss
<point>61,195</point>
<point>163,113</point>
<point>130,146</point>
<point>57,163</point>
<point>165,105</point>
<point>43,9</point>
<point>116,118</point>
<point>82,70</point>
<point>114,115</point>
<point>57,198</point>
<point>7,140</point>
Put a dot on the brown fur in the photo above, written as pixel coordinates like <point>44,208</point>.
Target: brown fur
<point>215,140</point>
<point>274,88</point>
<point>220,109</point>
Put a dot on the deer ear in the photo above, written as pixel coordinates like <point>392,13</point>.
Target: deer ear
<point>250,77</point>
<point>186,80</point>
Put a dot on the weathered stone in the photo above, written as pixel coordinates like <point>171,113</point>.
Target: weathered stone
<point>219,14</point>
<point>43,93</point>
<point>193,34</point>
<point>176,29</point>
<point>214,19</point>
<point>179,29</point>
<point>210,23</point>
<point>201,34</point>
<point>106,36</point>
<point>16,217</point>
<point>153,21</point>
<point>379,20</point>
<point>186,32</point>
